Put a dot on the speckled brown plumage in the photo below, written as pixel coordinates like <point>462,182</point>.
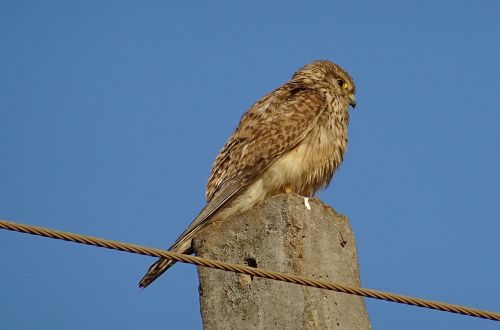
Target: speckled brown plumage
<point>291,140</point>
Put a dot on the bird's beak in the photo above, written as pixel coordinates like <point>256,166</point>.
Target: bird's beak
<point>352,100</point>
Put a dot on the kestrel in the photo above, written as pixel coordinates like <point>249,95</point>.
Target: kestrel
<point>290,141</point>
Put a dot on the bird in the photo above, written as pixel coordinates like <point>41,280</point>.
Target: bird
<point>290,141</point>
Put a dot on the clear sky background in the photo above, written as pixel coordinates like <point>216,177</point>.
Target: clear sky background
<point>111,113</point>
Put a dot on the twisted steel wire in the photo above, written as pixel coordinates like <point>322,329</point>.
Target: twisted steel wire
<point>272,275</point>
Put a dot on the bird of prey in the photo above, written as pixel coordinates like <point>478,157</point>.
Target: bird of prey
<point>290,141</point>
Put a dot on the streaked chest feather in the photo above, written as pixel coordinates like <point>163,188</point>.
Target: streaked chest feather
<point>310,166</point>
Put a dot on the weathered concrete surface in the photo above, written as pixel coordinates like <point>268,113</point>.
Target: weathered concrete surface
<point>281,234</point>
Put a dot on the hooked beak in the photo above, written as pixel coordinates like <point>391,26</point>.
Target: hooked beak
<point>352,101</point>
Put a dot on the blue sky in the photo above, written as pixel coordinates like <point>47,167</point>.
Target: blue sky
<point>111,113</point>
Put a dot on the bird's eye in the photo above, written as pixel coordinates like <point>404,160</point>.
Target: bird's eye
<point>340,82</point>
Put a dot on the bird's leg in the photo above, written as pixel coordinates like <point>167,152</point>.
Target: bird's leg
<point>288,189</point>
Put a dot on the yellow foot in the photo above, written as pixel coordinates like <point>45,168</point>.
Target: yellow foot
<point>288,190</point>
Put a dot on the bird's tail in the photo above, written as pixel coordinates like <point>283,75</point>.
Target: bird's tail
<point>183,245</point>
<point>156,269</point>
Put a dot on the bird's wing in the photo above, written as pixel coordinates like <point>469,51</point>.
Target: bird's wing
<point>272,126</point>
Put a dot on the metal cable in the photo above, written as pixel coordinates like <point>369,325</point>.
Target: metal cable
<point>132,248</point>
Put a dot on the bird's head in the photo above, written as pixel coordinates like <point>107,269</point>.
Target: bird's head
<point>328,76</point>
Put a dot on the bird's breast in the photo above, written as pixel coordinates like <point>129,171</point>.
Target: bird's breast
<point>309,167</point>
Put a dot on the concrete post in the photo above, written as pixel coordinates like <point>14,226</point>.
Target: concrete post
<point>286,233</point>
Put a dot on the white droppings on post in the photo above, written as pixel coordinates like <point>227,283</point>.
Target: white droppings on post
<point>306,203</point>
